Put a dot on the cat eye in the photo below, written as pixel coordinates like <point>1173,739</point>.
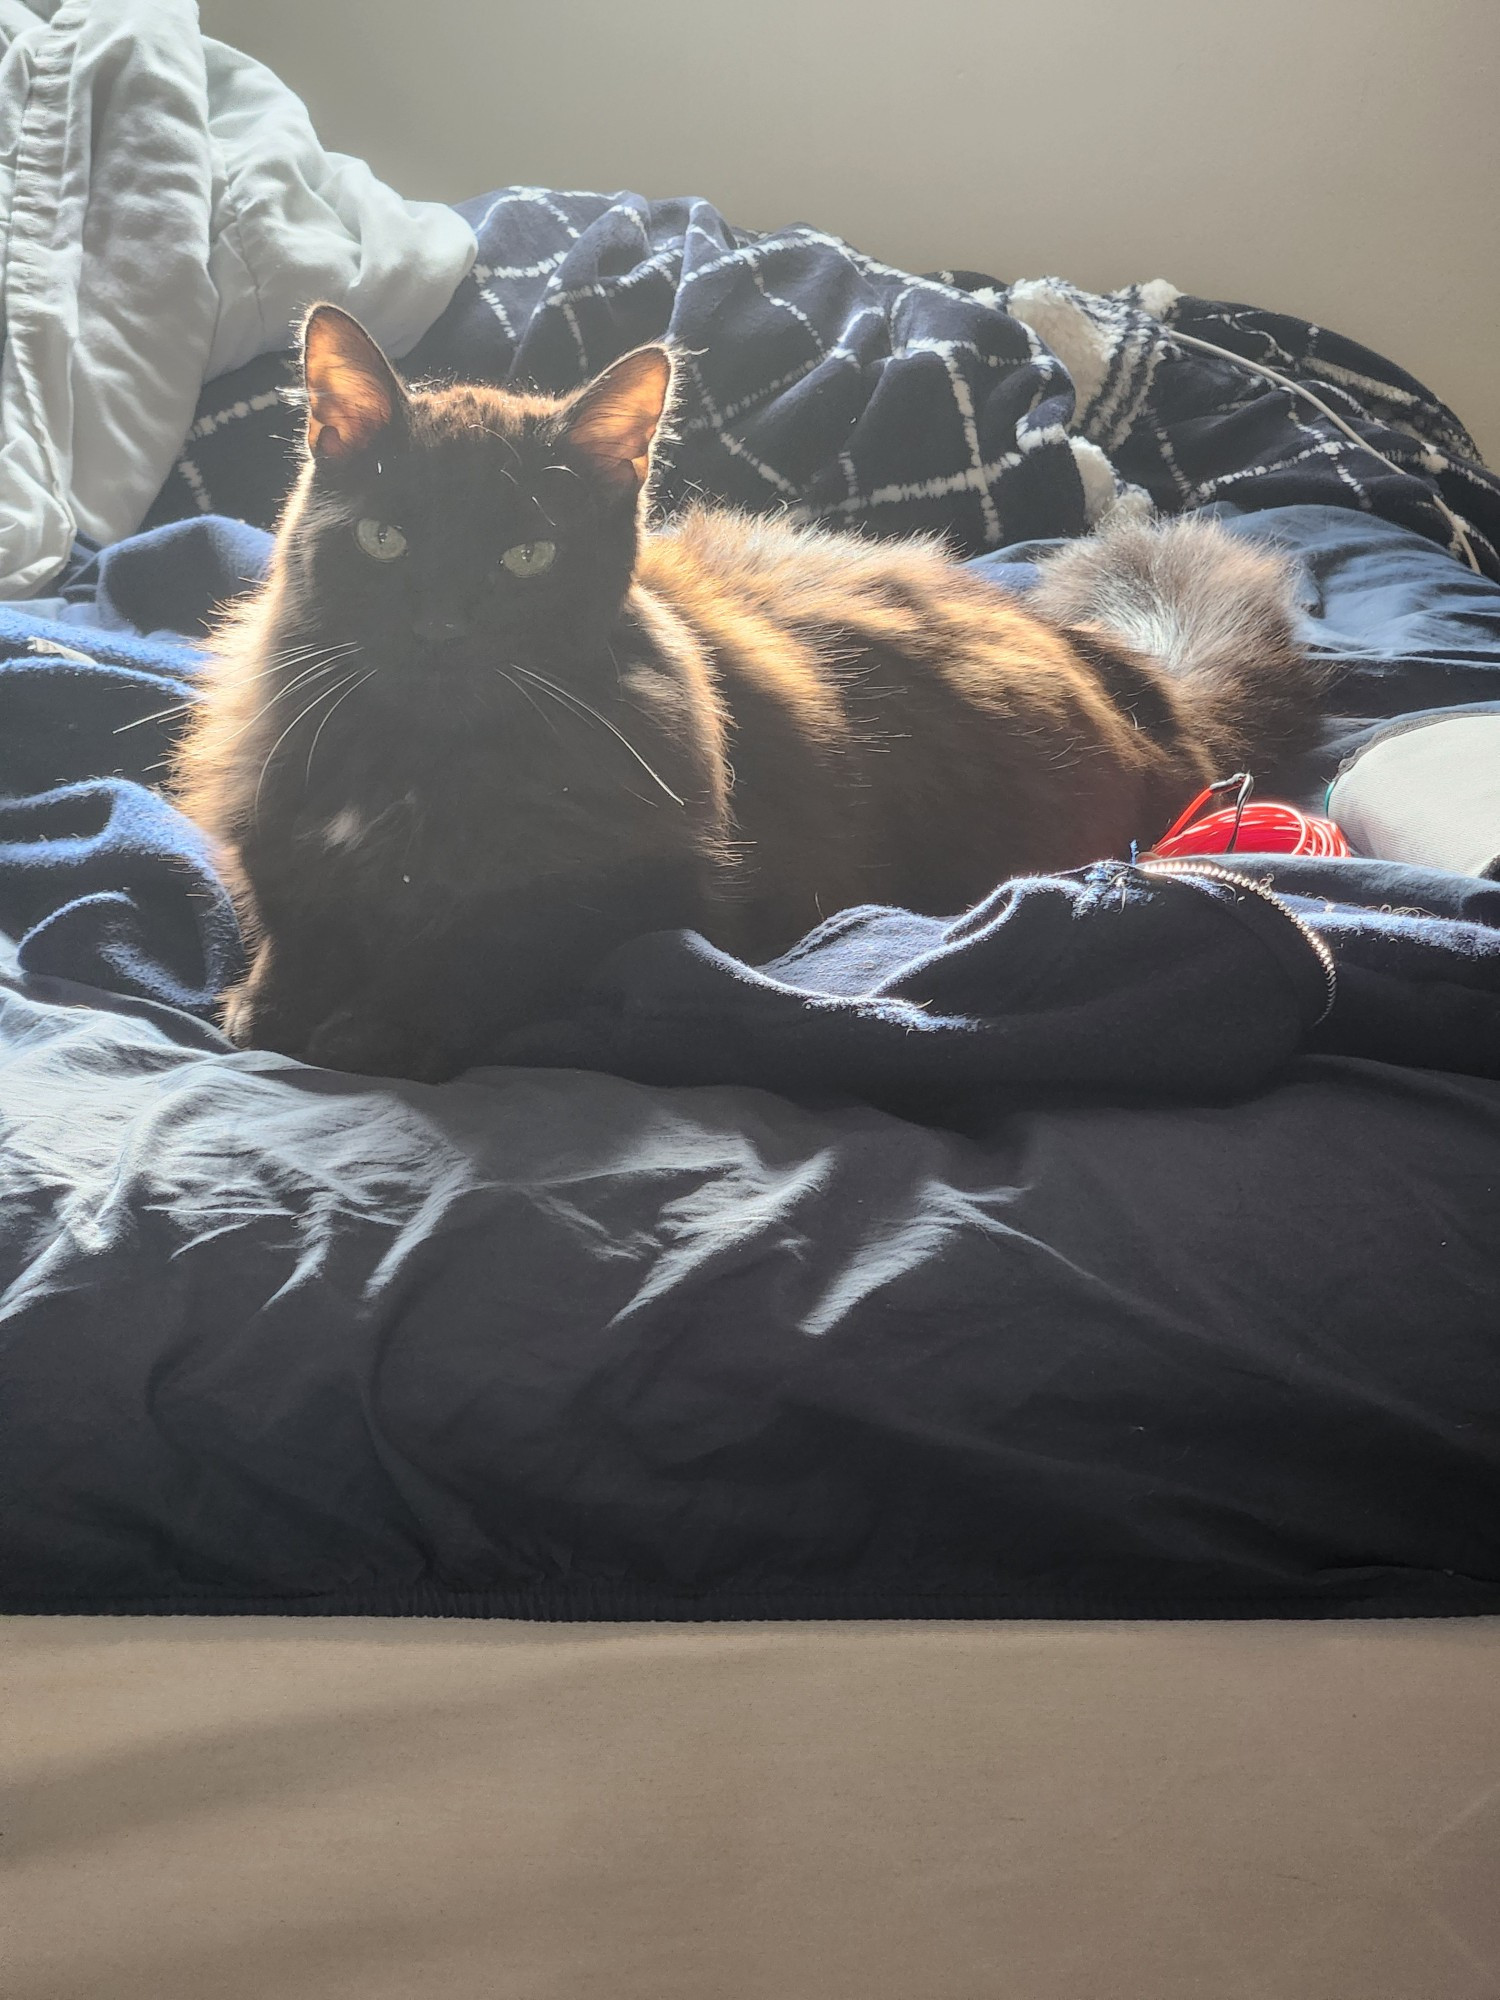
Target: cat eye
<point>529,558</point>
<point>378,541</point>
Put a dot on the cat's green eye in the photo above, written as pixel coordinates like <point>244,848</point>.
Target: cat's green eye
<point>379,541</point>
<point>529,558</point>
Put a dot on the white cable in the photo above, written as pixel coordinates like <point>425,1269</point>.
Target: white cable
<point>1301,389</point>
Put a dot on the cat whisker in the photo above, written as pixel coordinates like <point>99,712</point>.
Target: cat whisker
<point>159,715</point>
<point>305,657</point>
<point>312,673</point>
<point>300,655</point>
<point>293,657</point>
<point>323,724</point>
<point>531,699</point>
<point>308,645</point>
<point>321,695</point>
<point>566,695</point>
<point>288,656</point>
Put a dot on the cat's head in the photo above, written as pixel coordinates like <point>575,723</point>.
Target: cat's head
<point>442,524</point>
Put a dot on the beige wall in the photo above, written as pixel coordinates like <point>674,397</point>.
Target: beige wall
<point>1338,159</point>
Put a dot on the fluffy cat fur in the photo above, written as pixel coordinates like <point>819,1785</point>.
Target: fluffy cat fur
<point>445,781</point>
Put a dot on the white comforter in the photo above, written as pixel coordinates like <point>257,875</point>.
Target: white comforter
<point>166,212</point>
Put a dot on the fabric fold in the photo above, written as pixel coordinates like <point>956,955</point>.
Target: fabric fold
<point>166,212</point>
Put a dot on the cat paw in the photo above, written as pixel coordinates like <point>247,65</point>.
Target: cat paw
<point>237,1017</point>
<point>346,1040</point>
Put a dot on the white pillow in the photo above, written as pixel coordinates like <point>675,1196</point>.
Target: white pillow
<point>1426,792</point>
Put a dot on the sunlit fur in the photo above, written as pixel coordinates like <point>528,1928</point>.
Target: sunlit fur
<point>481,782</point>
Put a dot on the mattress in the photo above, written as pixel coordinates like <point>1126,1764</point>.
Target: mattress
<point>275,1809</point>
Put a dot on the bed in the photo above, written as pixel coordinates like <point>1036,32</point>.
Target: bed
<point>1123,1251</point>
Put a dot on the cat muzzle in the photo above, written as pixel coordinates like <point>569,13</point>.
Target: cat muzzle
<point>440,628</point>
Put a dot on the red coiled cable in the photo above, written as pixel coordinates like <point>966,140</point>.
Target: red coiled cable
<point>1268,827</point>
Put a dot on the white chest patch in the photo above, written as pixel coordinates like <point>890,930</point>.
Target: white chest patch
<point>346,829</point>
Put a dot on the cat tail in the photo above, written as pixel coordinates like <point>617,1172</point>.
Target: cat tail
<point>1218,614</point>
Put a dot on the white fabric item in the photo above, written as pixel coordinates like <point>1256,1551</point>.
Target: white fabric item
<point>1427,793</point>
<point>166,213</point>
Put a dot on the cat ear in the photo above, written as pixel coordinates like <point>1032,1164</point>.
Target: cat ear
<point>353,397</point>
<point>613,422</point>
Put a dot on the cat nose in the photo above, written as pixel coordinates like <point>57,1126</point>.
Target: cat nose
<point>434,627</point>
